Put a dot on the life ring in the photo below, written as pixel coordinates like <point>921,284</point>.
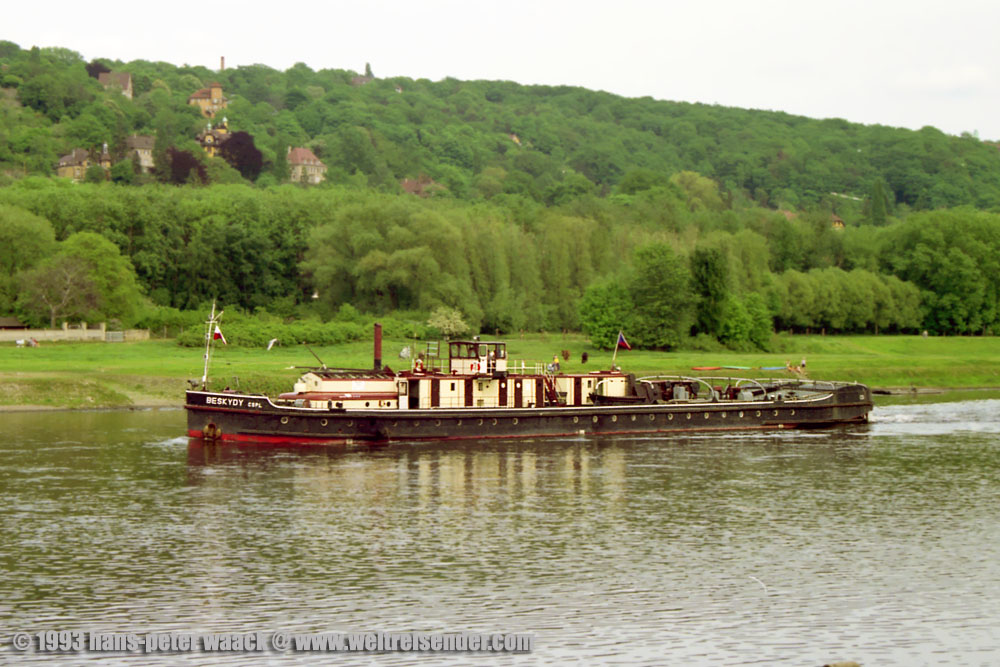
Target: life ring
<point>418,365</point>
<point>475,367</point>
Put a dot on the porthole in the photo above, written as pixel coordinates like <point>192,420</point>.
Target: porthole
<point>633,417</point>
<point>322,422</point>
<point>416,422</point>
<point>514,421</point>
<point>706,415</point>
<point>284,420</point>
<point>670,418</point>
<point>437,422</point>
<point>614,418</point>
<point>576,419</point>
<point>494,421</point>
<point>367,403</point>
<point>458,423</point>
<point>741,414</point>
<point>792,412</point>
<point>480,422</point>
<point>350,423</point>
<point>652,417</point>
<point>595,419</point>
<point>861,397</point>
<point>758,413</point>
<point>689,415</point>
<point>775,413</point>
<point>722,414</point>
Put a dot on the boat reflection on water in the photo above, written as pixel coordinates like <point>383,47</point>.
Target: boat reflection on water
<point>471,470</point>
<point>478,470</point>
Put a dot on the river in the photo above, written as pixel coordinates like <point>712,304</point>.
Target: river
<point>879,544</point>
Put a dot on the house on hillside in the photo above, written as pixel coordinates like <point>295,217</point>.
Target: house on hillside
<point>122,80</point>
<point>11,322</point>
<point>74,166</point>
<point>305,167</point>
<point>104,159</point>
<point>836,221</point>
<point>424,186</point>
<point>209,99</point>
<point>140,147</point>
<point>212,139</point>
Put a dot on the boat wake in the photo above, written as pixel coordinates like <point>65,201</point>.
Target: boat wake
<point>982,416</point>
<point>169,442</point>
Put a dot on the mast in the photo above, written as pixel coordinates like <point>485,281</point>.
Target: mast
<point>213,320</point>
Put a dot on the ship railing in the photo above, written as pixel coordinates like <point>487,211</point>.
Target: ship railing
<point>765,386</point>
<point>522,367</point>
<point>712,394</point>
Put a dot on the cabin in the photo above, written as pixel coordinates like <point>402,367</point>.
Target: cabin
<point>476,374</point>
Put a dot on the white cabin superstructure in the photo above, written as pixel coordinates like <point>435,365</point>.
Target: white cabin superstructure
<point>476,374</point>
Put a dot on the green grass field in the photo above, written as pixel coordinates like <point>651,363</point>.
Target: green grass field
<point>90,375</point>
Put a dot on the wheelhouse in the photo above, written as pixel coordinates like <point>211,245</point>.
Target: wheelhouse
<point>472,357</point>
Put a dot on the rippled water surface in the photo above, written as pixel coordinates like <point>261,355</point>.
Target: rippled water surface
<point>879,544</point>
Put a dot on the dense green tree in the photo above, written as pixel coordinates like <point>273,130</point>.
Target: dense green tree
<point>240,152</point>
<point>58,288</point>
<point>710,282</point>
<point>659,287</point>
<point>606,309</point>
<point>112,275</point>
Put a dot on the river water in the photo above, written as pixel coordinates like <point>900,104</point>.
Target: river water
<point>879,544</point>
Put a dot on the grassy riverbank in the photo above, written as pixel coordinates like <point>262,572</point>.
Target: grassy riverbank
<point>154,373</point>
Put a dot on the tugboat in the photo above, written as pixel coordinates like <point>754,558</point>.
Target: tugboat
<point>474,391</point>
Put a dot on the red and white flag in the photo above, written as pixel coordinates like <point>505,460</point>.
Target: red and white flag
<point>218,335</point>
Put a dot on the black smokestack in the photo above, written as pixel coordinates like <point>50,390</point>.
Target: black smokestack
<point>378,346</point>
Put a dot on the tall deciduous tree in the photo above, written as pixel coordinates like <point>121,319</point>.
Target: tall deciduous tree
<point>239,151</point>
<point>185,167</point>
<point>112,275</point>
<point>710,280</point>
<point>58,288</point>
<point>659,285</point>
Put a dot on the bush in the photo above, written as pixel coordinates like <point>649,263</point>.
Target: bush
<point>247,331</point>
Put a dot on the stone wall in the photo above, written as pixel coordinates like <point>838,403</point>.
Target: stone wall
<point>78,332</point>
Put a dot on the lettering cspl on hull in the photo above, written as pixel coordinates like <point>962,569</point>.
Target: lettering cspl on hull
<point>474,392</point>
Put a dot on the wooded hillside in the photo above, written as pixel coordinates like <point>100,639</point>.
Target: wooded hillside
<point>550,207</point>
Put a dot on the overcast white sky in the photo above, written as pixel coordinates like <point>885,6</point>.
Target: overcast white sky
<point>891,62</point>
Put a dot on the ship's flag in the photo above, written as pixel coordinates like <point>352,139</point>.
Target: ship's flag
<point>218,335</point>
<point>622,342</point>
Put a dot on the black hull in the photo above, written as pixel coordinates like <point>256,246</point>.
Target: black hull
<point>256,419</point>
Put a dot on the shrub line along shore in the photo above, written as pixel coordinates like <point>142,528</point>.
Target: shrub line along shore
<point>154,374</point>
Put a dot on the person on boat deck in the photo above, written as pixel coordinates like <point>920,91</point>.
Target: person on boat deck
<point>554,366</point>
<point>491,362</point>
